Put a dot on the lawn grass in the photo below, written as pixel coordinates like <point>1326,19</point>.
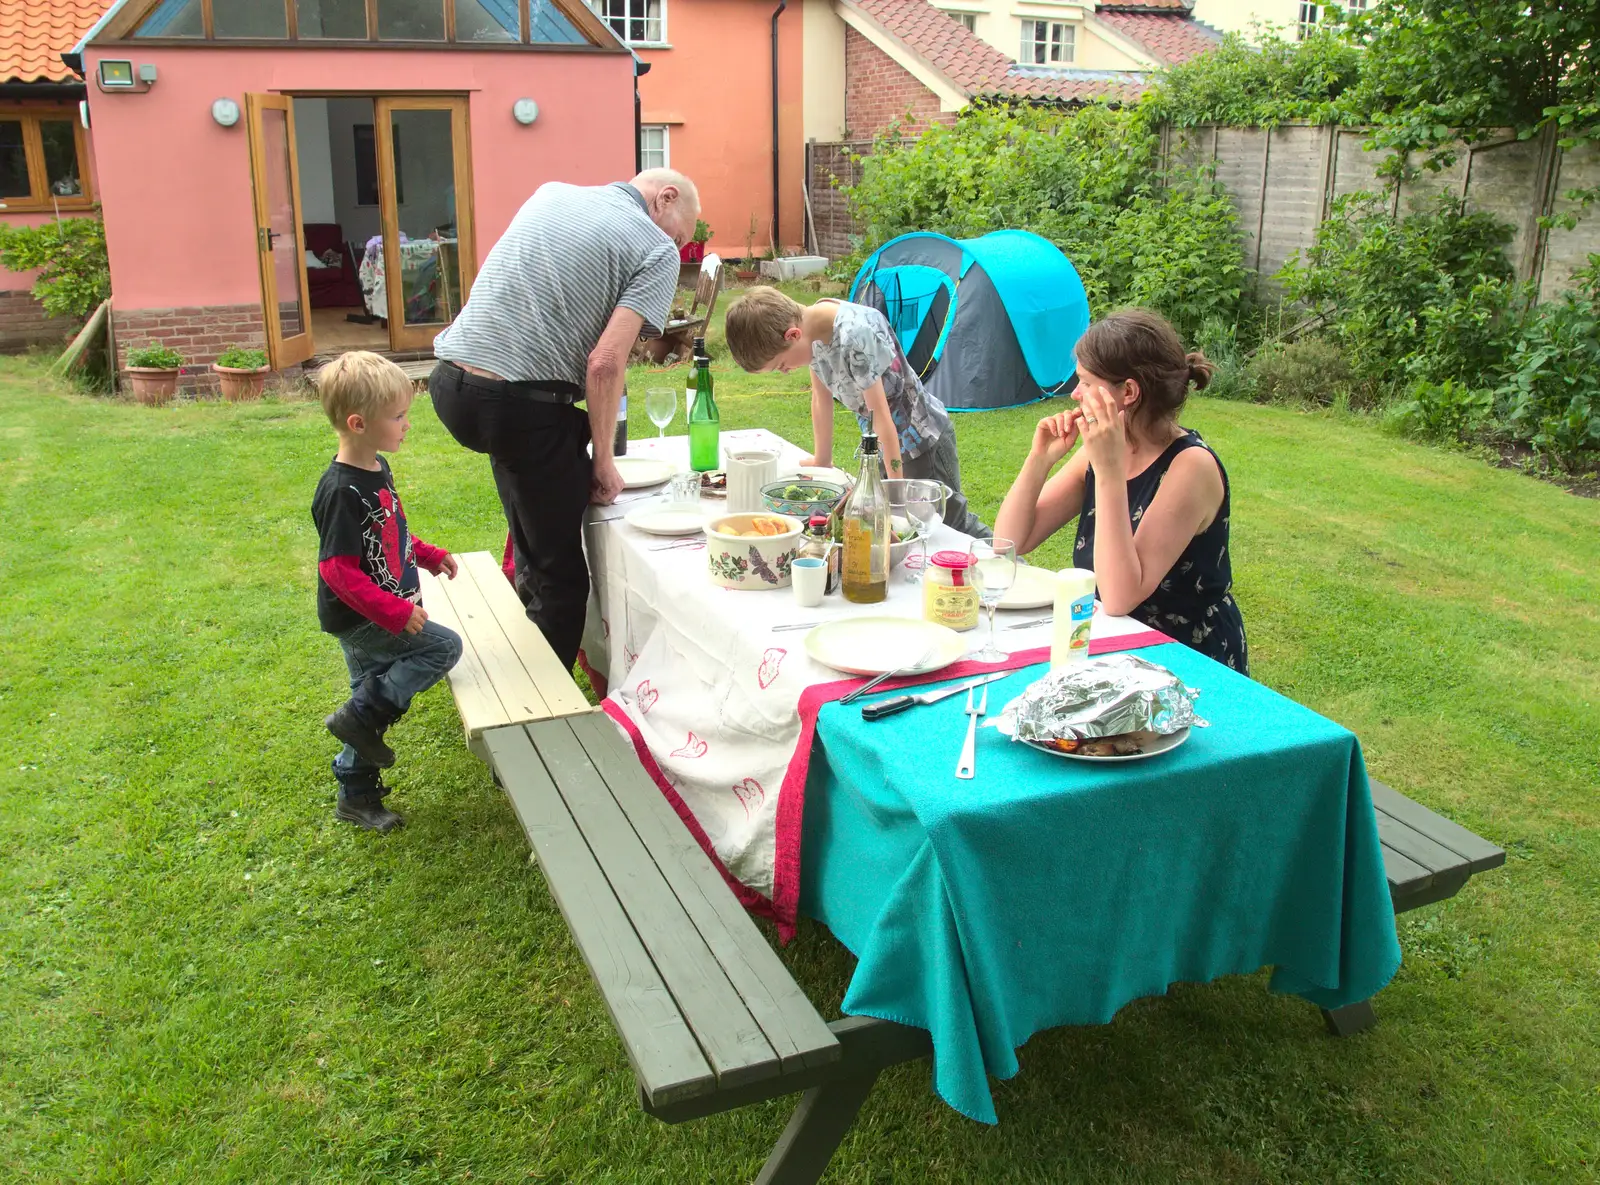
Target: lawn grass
<point>204,977</point>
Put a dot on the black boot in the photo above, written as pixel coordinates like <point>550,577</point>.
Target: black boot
<point>367,810</point>
<point>360,723</point>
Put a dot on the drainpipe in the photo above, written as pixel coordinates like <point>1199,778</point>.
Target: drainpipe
<point>640,69</point>
<point>777,12</point>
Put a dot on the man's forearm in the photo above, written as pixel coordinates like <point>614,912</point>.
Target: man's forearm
<point>603,395</point>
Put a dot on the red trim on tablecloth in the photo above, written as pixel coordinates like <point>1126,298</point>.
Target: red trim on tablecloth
<point>748,897</point>
<point>792,797</point>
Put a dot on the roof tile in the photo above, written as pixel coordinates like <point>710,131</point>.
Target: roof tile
<point>1167,37</point>
<point>35,33</point>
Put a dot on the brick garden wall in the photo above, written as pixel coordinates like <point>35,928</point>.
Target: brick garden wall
<point>878,91</point>
<point>23,323</point>
<point>200,334</point>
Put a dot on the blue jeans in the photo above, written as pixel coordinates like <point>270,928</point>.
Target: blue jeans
<point>399,666</point>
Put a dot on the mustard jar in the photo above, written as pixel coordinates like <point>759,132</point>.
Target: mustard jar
<point>949,597</point>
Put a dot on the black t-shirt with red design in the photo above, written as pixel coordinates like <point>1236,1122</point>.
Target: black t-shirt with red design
<point>367,559</point>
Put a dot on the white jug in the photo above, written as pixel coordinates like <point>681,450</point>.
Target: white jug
<point>747,473</point>
<point>1069,631</point>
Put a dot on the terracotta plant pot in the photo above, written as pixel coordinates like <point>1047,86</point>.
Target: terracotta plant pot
<point>151,386</point>
<point>241,386</point>
<point>747,274</point>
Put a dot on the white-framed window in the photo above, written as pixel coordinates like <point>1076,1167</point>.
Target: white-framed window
<point>1047,43</point>
<point>638,22</point>
<point>967,20</point>
<point>1310,14</point>
<point>655,146</point>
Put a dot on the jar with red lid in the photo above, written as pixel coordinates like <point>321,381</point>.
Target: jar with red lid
<point>949,597</point>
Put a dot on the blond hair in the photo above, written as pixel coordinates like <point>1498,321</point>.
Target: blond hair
<point>360,383</point>
<point>756,325</point>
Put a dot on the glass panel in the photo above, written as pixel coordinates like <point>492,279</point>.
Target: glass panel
<point>266,19</point>
<point>13,161</point>
<point>488,20</point>
<point>343,19</point>
<point>60,157</point>
<point>280,223</point>
<point>551,26</point>
<point>411,20</point>
<point>653,146</point>
<point>430,273</point>
<point>174,18</point>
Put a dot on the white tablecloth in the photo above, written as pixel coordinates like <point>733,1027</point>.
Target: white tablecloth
<point>697,670</point>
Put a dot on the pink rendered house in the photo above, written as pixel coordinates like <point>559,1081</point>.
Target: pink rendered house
<point>309,176</point>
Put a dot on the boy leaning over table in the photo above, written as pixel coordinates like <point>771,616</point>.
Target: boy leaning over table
<point>368,592</point>
<point>855,358</point>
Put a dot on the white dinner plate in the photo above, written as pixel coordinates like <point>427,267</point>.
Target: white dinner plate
<point>1163,744</point>
<point>1033,588</point>
<point>873,645</point>
<point>643,471</point>
<point>660,518</point>
<point>822,473</point>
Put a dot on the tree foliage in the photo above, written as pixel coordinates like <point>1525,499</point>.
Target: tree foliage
<point>70,256</point>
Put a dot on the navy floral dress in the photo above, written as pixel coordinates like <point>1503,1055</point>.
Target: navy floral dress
<point>1194,603</point>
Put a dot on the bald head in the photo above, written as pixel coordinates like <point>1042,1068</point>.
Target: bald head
<point>673,202</point>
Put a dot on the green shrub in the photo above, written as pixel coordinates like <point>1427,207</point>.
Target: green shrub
<point>155,358</point>
<point>1267,83</point>
<point>1312,370</point>
<point>1445,411</point>
<point>70,256</point>
<point>1218,340</point>
<point>242,358</point>
<point>1551,397</point>
<point>1429,295</point>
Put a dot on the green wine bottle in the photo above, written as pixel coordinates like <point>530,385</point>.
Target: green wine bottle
<point>705,423</point>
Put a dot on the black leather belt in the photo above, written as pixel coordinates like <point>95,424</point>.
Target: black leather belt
<point>538,390</point>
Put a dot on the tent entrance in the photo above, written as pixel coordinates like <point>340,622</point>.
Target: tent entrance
<point>919,303</point>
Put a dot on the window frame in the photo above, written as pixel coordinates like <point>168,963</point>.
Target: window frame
<point>967,20</point>
<point>124,32</point>
<point>40,199</point>
<point>1310,17</point>
<point>1069,43</point>
<point>663,43</point>
<point>666,144</point>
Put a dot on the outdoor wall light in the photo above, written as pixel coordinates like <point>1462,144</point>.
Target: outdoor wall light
<point>225,111</point>
<point>525,111</point>
<point>116,75</point>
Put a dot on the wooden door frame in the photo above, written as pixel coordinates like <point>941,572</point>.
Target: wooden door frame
<point>420,337</point>
<point>281,351</point>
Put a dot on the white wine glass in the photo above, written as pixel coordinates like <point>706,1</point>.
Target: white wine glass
<point>919,502</point>
<point>661,404</point>
<point>994,568</point>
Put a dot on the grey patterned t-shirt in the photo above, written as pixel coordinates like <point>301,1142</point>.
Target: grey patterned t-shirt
<point>863,350</point>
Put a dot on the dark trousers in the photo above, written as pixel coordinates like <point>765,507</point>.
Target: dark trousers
<point>539,455</point>
<point>386,671</point>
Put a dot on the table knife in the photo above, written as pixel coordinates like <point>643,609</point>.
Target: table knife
<point>899,703</point>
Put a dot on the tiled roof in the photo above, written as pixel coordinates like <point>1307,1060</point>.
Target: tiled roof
<point>969,62</point>
<point>1167,37</point>
<point>1068,86</point>
<point>1181,6</point>
<point>35,33</point>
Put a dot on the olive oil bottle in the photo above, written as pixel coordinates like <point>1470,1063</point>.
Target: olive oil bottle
<point>866,532</point>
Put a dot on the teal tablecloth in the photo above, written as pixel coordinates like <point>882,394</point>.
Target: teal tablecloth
<point>1052,892</point>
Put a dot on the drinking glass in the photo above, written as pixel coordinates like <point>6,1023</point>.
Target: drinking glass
<point>921,503</point>
<point>661,404</point>
<point>994,567</point>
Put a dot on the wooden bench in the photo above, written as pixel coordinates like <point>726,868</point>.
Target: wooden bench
<point>709,1017</point>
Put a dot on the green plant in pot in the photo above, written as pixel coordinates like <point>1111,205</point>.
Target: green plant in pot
<point>747,267</point>
<point>242,371</point>
<point>153,371</point>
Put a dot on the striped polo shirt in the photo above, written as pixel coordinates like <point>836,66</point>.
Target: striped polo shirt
<point>571,256</point>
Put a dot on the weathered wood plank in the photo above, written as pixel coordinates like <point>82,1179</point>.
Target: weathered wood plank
<point>797,1032</point>
<point>555,684</point>
<point>666,1059</point>
<point>1415,846</point>
<point>1405,875</point>
<point>1478,852</point>
<point>733,1042</point>
<point>523,701</point>
<point>476,702</point>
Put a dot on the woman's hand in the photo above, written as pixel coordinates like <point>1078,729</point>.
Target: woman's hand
<point>1105,436</point>
<point>1056,435</point>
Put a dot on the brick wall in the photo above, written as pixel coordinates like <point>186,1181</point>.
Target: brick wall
<point>23,323</point>
<point>878,90</point>
<point>200,334</point>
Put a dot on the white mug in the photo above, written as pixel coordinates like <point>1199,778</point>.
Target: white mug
<point>747,473</point>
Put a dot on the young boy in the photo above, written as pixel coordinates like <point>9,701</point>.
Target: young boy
<point>856,359</point>
<point>368,593</point>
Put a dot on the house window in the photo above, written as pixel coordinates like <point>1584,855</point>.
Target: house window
<point>248,18</point>
<point>174,18</point>
<point>41,161</point>
<point>1046,43</point>
<point>488,20</point>
<point>638,22</point>
<point>654,147</point>
<point>967,20</point>
<point>1309,13</point>
<point>345,20</point>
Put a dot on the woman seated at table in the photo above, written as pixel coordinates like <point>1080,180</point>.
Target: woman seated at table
<point>1150,497</point>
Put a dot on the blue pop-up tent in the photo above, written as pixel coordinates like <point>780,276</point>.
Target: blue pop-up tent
<point>987,322</point>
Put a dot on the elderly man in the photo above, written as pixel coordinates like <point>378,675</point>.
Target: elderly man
<point>578,277</point>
